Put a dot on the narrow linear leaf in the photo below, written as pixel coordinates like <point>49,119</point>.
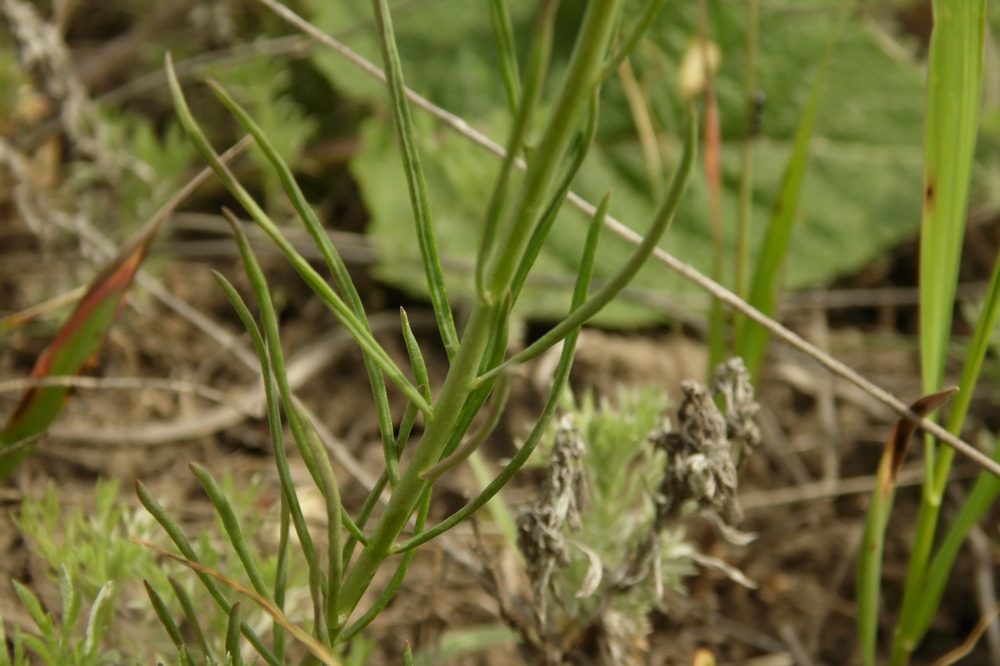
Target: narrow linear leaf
<point>538,64</point>
<point>954,76</point>
<point>503,32</point>
<point>233,656</point>
<point>160,608</point>
<point>326,293</point>
<point>190,614</point>
<point>415,180</point>
<point>232,526</point>
<point>559,382</point>
<point>763,295</point>
<point>338,270</point>
<point>580,315</point>
<point>317,650</point>
<point>173,530</point>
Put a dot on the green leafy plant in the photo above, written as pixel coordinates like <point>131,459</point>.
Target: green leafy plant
<point>515,225</point>
<point>58,641</point>
<point>88,555</point>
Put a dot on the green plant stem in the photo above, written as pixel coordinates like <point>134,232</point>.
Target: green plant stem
<point>612,287</point>
<point>583,74</point>
<point>538,63</point>
<point>556,394</point>
<point>476,439</point>
<point>397,578</point>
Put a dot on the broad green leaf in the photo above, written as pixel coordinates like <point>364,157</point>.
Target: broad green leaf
<point>861,195</point>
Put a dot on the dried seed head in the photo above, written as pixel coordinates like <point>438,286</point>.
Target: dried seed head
<point>700,452</point>
<point>732,381</point>
<point>540,536</point>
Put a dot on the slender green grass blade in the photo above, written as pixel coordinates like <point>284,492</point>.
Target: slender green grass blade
<point>585,139</point>
<point>954,79</point>
<point>336,305</point>
<point>415,176</point>
<point>914,625</point>
<point>632,38</point>
<point>164,616</point>
<point>318,650</point>
<point>281,573</point>
<point>397,578</point>
<point>192,616</point>
<point>474,440</point>
<point>925,585</point>
<point>274,420</point>
<point>156,510</point>
<point>272,365</point>
<point>232,526</point>
<point>559,382</point>
<point>503,33</point>
<point>338,269</point>
<point>763,295</point>
<point>582,77</point>
<point>334,511</point>
<point>953,82</point>
<point>413,351</point>
<point>233,637</point>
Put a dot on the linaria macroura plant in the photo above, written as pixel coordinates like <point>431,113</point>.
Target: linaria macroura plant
<point>519,216</point>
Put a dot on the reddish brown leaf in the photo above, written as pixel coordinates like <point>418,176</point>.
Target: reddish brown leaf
<point>899,439</point>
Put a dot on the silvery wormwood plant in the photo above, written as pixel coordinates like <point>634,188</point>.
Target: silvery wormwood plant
<point>519,216</point>
<point>605,536</point>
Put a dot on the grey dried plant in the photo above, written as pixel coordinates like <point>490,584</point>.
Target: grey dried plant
<point>541,528</point>
<point>598,569</point>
